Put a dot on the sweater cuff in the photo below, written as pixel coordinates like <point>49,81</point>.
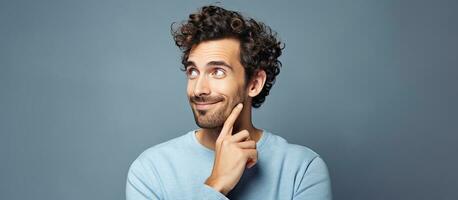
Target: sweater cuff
<point>210,193</point>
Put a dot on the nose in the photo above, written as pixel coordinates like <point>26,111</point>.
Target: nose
<point>201,87</point>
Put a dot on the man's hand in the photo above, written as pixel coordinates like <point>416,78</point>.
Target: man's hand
<point>232,154</point>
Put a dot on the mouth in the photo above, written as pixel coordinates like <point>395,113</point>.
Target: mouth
<point>205,105</point>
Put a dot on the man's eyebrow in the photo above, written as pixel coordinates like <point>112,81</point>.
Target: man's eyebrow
<point>211,63</point>
<point>189,63</point>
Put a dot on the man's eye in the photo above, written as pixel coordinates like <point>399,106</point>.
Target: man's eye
<point>191,73</point>
<point>219,73</point>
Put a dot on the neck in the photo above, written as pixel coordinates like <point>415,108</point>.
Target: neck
<point>207,137</point>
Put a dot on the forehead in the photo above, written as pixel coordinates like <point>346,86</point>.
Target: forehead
<point>226,49</point>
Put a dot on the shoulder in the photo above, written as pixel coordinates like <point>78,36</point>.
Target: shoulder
<point>305,161</point>
<point>296,156</point>
<point>290,149</point>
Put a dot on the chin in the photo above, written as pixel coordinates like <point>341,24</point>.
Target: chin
<point>207,126</point>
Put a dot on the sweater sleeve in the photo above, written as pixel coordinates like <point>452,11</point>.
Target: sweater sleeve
<point>315,183</point>
<point>144,183</point>
<point>208,193</point>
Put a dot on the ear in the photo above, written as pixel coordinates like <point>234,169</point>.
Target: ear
<point>256,83</point>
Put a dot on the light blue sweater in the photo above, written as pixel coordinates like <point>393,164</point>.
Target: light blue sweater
<point>177,169</point>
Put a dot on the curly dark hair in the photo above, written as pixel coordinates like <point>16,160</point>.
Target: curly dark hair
<point>259,45</point>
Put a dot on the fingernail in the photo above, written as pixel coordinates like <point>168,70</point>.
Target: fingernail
<point>240,105</point>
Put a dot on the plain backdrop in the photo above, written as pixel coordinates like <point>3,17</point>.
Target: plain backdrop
<point>370,85</point>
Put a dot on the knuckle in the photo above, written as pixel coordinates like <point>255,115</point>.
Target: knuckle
<point>246,155</point>
<point>245,133</point>
<point>255,152</point>
<point>255,158</point>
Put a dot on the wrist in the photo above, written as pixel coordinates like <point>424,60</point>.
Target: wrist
<point>215,184</point>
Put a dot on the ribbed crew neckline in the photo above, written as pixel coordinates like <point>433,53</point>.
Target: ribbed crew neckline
<point>260,145</point>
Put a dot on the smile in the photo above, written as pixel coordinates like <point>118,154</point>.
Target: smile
<point>205,106</point>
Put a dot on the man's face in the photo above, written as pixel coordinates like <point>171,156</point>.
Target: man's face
<point>216,81</point>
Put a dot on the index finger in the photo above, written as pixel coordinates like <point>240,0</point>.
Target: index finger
<point>231,120</point>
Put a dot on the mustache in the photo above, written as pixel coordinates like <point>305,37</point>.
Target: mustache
<point>206,99</point>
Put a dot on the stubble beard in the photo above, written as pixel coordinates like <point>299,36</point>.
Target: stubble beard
<point>215,117</point>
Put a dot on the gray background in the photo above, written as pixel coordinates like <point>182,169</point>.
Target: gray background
<point>370,85</point>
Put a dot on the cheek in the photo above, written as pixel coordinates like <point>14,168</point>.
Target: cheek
<point>225,88</point>
<point>189,88</point>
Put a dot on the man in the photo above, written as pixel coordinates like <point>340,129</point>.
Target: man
<point>231,63</point>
